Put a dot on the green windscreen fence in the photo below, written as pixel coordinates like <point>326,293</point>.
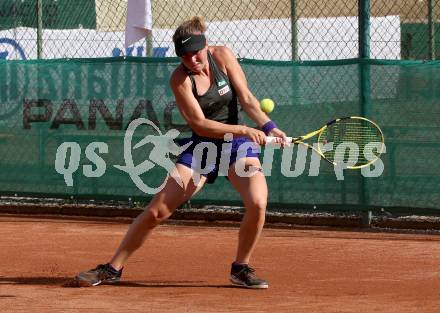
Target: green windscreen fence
<point>59,116</point>
<point>58,14</point>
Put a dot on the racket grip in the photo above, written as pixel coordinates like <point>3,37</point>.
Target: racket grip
<point>270,139</point>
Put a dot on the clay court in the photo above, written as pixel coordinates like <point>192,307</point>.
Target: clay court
<point>184,268</point>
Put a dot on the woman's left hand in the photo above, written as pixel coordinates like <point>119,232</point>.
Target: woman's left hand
<point>279,135</point>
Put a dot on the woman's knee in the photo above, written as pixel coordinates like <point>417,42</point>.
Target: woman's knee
<point>154,215</point>
<point>257,205</point>
<point>159,215</point>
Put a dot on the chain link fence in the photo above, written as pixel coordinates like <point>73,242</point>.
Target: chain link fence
<point>43,104</point>
<point>258,29</point>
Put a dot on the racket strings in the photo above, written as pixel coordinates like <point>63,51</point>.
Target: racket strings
<point>357,131</point>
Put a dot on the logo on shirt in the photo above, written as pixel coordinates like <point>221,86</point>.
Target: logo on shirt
<point>221,83</point>
<point>224,90</point>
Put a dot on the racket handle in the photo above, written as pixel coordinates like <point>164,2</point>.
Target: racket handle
<point>270,139</point>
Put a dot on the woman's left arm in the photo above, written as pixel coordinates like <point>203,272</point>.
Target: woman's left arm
<point>247,100</point>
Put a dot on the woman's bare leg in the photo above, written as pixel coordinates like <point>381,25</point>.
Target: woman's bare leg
<point>158,210</point>
<point>253,192</point>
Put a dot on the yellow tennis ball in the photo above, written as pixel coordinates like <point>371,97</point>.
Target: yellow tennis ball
<point>267,105</point>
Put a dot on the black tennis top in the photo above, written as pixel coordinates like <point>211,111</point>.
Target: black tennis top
<point>219,102</point>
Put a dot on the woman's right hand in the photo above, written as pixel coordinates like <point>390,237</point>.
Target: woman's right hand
<point>255,135</point>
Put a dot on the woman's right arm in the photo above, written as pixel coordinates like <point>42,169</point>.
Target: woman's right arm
<point>193,114</point>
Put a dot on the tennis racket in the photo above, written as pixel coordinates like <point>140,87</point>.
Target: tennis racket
<point>342,135</point>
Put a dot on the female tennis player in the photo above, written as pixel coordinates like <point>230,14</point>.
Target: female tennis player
<point>211,91</point>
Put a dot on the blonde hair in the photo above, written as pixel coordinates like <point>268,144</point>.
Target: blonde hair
<point>193,26</point>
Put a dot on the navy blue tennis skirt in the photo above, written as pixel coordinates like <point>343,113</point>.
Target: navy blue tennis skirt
<point>209,156</point>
